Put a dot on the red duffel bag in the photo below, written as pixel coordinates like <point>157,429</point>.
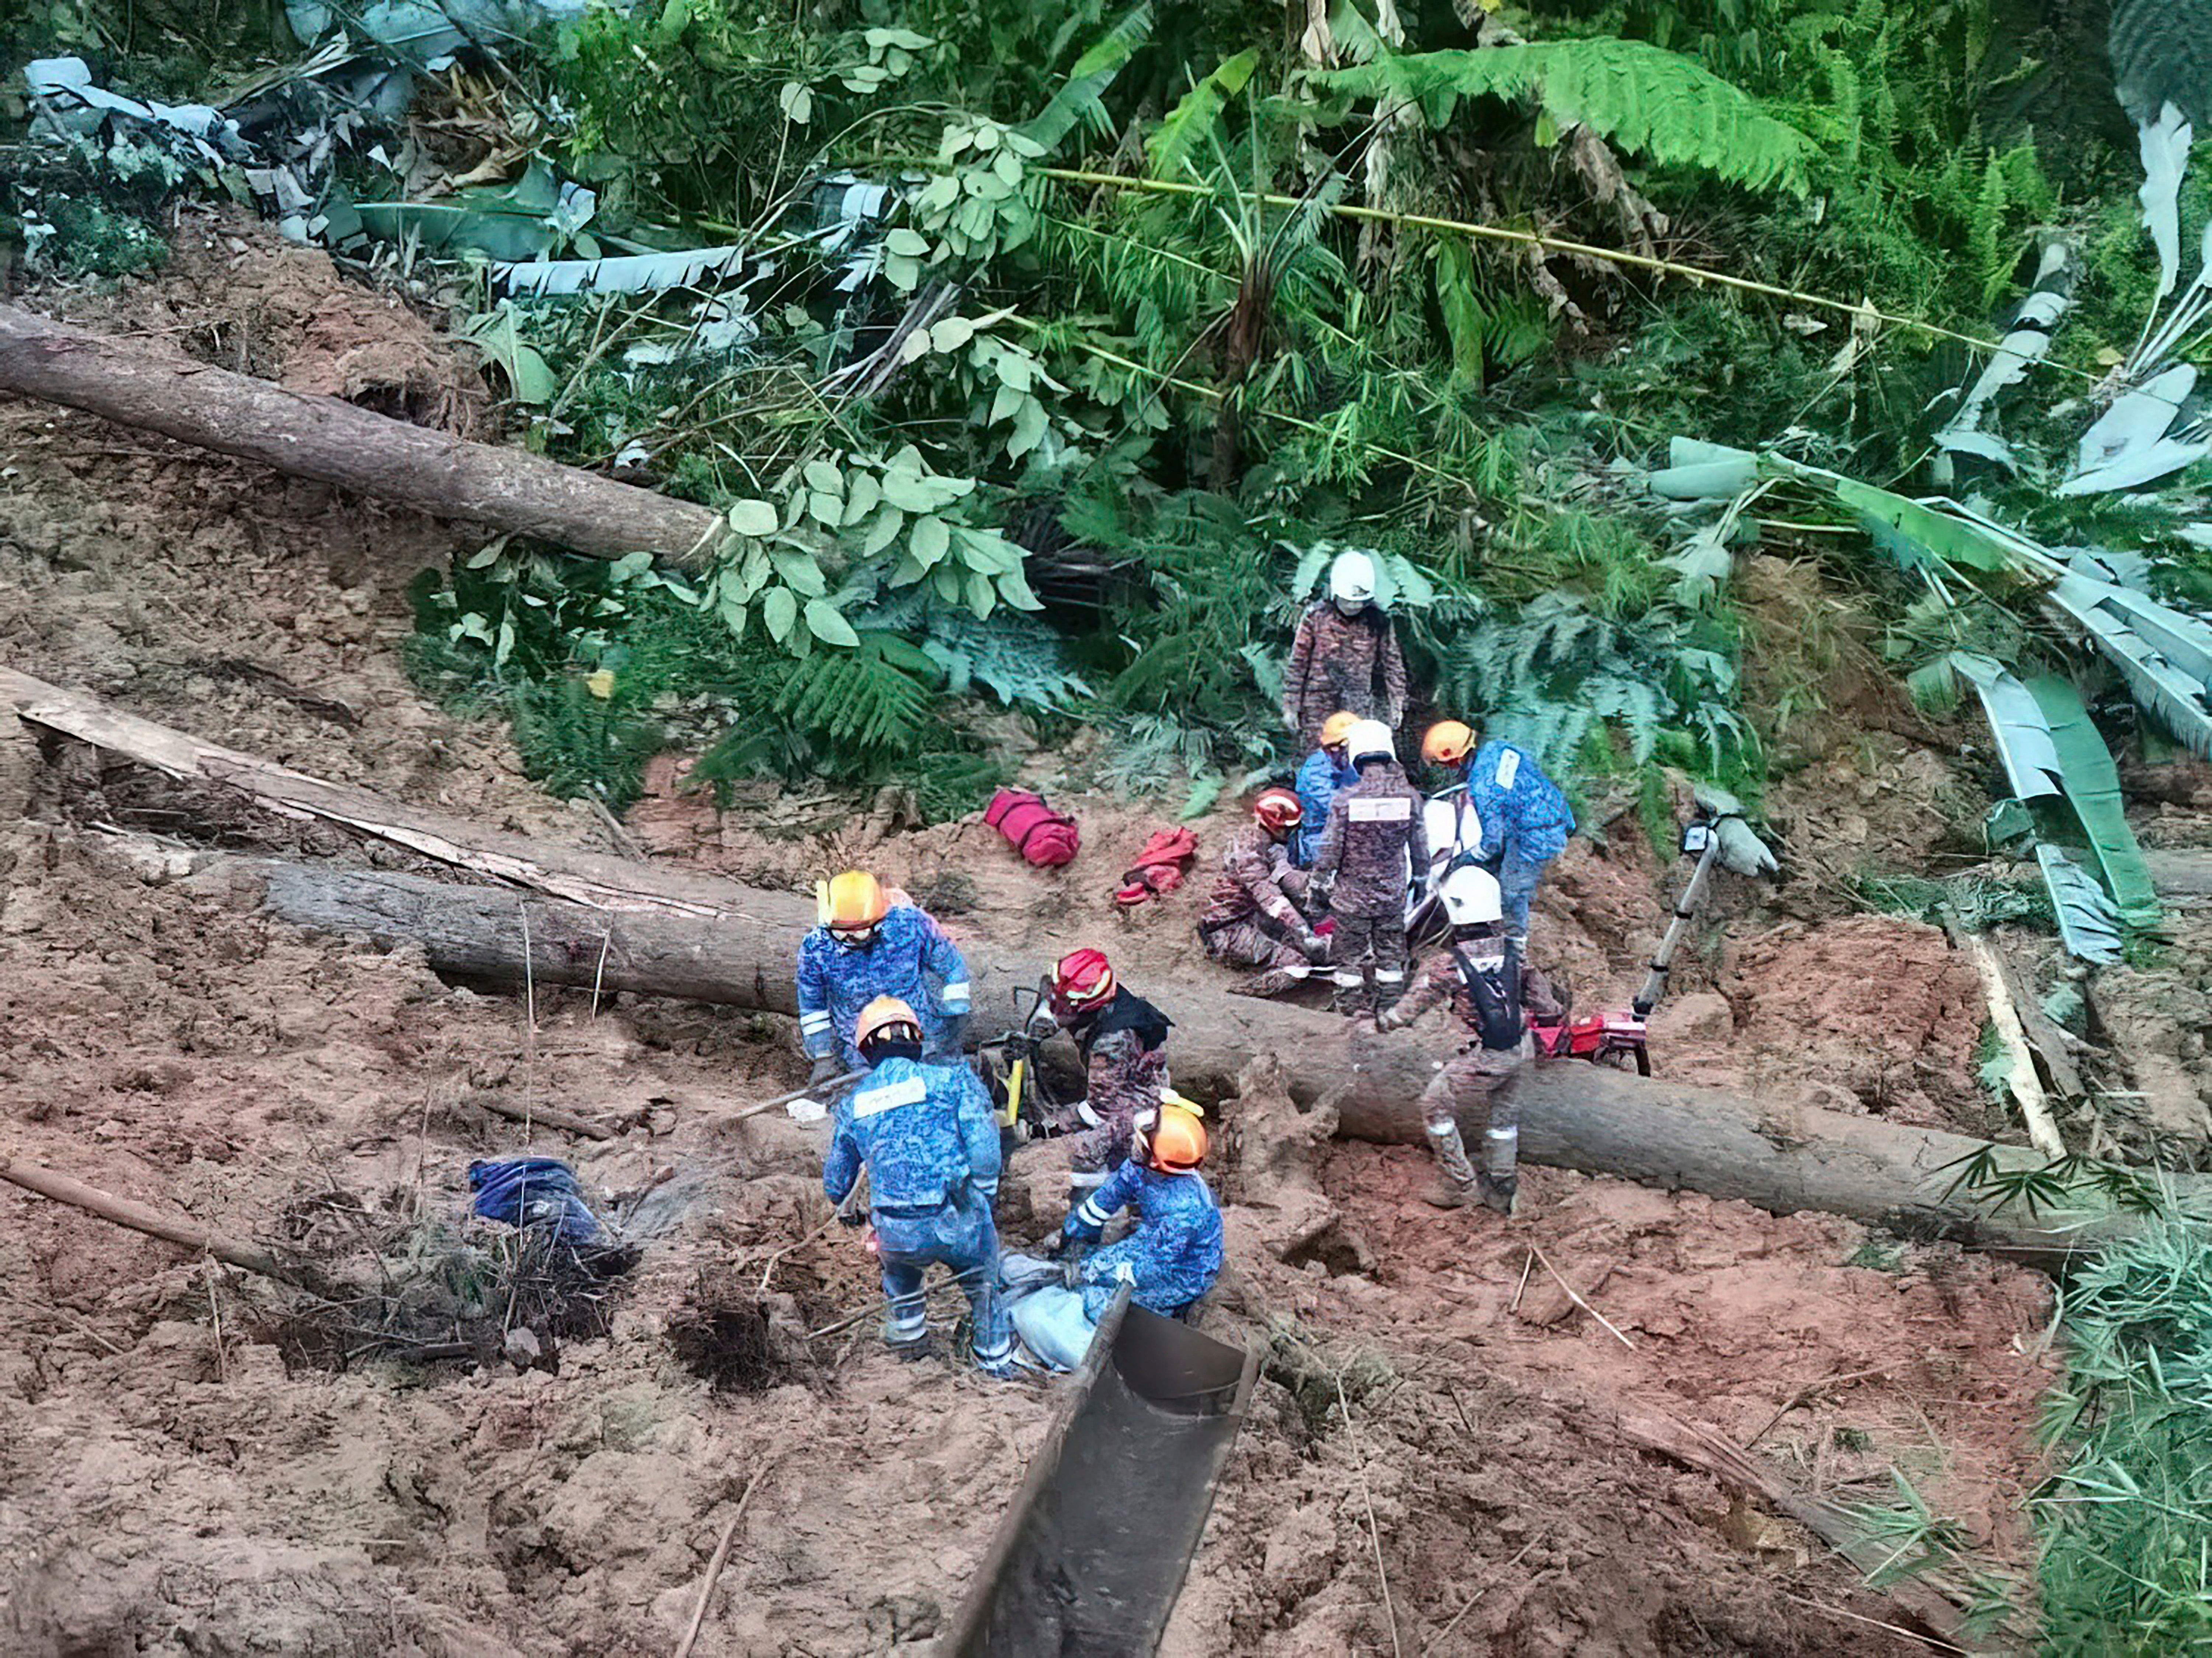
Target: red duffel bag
<point>1043,836</point>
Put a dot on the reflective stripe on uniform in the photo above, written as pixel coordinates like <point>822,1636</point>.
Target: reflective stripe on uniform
<point>997,1354</point>
<point>811,1022</point>
<point>873,1102</point>
<point>1390,808</point>
<point>1501,1135</point>
<point>956,997</point>
<point>1440,1130</point>
<point>1346,979</point>
<point>1091,1214</point>
<point>1389,975</point>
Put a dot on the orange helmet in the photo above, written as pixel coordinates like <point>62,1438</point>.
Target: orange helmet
<point>853,903</point>
<point>1083,979</point>
<point>1336,728</point>
<point>1171,1139</point>
<point>1278,811</point>
<point>886,1019</point>
<point>1448,743</point>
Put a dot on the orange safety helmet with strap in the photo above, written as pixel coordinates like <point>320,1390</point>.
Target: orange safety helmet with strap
<point>1336,728</point>
<point>1171,1139</point>
<point>1448,743</point>
<point>886,1019</point>
<point>1278,811</point>
<point>1083,979</point>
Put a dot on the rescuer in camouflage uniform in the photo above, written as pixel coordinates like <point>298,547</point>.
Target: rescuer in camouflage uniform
<point>1361,872</point>
<point>1252,918</point>
<point>1345,656</point>
<point>1484,978</point>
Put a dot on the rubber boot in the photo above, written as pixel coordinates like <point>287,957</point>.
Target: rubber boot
<point>1456,1177</point>
<point>1500,1192</point>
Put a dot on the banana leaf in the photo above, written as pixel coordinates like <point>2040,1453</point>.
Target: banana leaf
<point>2088,924</point>
<point>1698,471</point>
<point>2165,656</point>
<point>625,273</point>
<point>2025,745</point>
<point>2092,783</point>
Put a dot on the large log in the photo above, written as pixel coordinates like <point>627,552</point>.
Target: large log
<point>1574,1115</point>
<point>648,928</point>
<point>336,442</point>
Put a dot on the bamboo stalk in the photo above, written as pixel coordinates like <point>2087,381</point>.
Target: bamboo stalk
<point>1538,240</point>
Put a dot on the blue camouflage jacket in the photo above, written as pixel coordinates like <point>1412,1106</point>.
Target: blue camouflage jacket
<point>1319,779</point>
<point>925,1132</point>
<point>1516,801</point>
<point>909,952</point>
<point>1170,1257</point>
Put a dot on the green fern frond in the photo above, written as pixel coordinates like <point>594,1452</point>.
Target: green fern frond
<point>872,697</point>
<point>1655,102</point>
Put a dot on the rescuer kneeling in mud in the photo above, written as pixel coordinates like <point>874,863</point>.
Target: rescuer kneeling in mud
<point>1252,918</point>
<point>927,1136</point>
<point>1483,977</point>
<point>866,947</point>
<point>1361,873</point>
<point>1122,1040</point>
<point>1170,1257</point>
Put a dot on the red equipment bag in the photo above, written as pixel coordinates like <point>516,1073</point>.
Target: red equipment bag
<point>1045,838</point>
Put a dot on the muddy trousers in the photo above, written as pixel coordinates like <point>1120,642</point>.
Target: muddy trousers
<point>962,1237</point>
<point>1368,953</point>
<point>1249,944</point>
<point>1479,1080</point>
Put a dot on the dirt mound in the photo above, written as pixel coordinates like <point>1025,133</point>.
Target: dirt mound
<point>236,294</point>
<point>1867,1012</point>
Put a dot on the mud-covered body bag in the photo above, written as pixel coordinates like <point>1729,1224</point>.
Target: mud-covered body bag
<point>1043,836</point>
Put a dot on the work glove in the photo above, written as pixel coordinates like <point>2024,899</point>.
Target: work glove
<point>1071,1272</point>
<point>955,1035</point>
<point>828,1068</point>
<point>1313,946</point>
<point>855,1215</point>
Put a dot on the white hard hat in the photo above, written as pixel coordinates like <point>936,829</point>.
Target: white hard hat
<point>1470,897</point>
<point>1369,739</point>
<point>1351,578</point>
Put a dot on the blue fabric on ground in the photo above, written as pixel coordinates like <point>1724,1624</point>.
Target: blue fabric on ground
<point>532,1192</point>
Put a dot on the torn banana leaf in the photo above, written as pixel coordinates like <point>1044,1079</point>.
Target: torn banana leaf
<point>1698,471</point>
<point>2165,656</point>
<point>626,273</point>
<point>2088,925</point>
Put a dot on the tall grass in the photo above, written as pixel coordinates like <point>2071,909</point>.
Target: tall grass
<point>2126,1555</point>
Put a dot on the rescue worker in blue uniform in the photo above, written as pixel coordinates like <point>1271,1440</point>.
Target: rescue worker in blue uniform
<point>866,947</point>
<point>1327,770</point>
<point>927,1139</point>
<point>1171,1257</point>
<point>1526,821</point>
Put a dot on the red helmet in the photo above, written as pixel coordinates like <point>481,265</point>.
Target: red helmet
<point>1278,811</point>
<point>1083,979</point>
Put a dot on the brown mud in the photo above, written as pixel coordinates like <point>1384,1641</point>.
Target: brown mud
<point>168,1485</point>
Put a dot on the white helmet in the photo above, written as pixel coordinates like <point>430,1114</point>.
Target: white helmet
<point>1470,897</point>
<point>1369,739</point>
<point>1351,579</point>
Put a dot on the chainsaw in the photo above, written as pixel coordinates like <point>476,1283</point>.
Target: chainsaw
<point>1008,1065</point>
<point>1622,1039</point>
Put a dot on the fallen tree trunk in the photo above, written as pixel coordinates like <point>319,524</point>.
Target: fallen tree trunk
<point>1574,1115</point>
<point>336,442</point>
<point>649,929</point>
